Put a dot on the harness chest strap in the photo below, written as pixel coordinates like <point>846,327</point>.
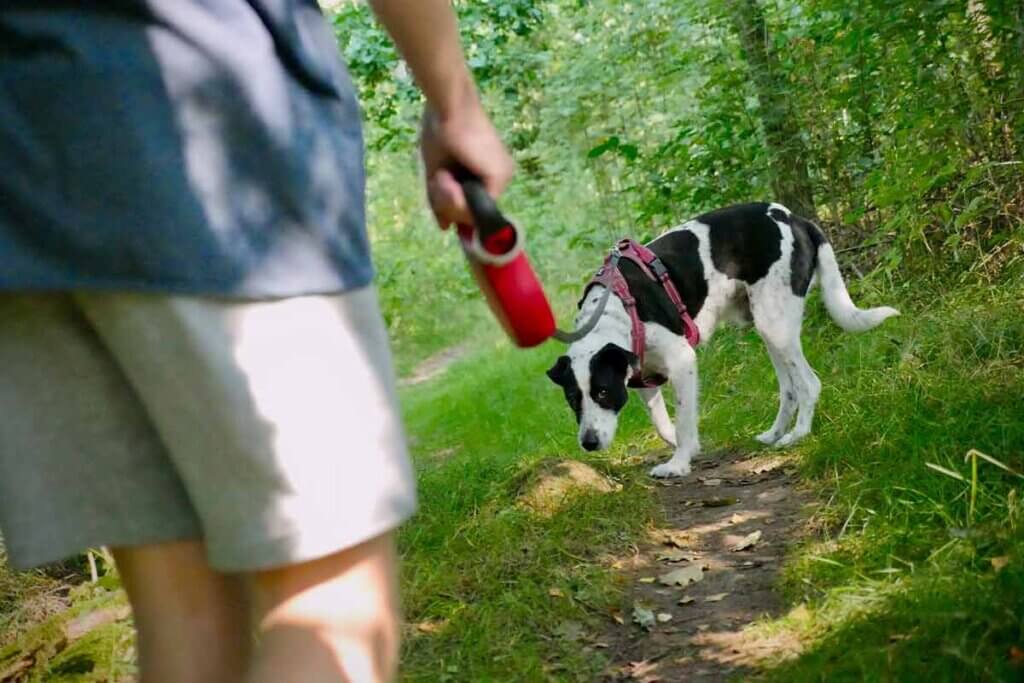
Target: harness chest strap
<point>611,277</point>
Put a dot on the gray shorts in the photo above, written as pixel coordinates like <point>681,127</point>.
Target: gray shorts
<point>268,429</point>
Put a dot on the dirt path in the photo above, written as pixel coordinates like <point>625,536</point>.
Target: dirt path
<point>697,632</point>
<point>434,366</point>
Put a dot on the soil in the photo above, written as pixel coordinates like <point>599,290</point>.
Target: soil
<point>718,508</point>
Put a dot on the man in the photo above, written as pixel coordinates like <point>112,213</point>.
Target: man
<point>195,370</point>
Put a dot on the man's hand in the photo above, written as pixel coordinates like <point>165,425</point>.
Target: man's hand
<point>469,139</point>
<point>455,127</point>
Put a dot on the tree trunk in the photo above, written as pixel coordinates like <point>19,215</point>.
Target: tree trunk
<point>791,180</point>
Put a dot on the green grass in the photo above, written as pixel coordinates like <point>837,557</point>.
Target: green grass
<point>902,565</point>
<point>892,561</point>
<point>482,565</point>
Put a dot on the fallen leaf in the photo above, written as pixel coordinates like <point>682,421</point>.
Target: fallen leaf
<point>643,617</point>
<point>617,617</point>
<point>719,502</point>
<point>601,646</point>
<point>677,555</point>
<point>737,518</point>
<point>768,466</point>
<point>717,597</point>
<point>431,627</point>
<point>646,579</point>
<point>748,541</point>
<point>570,630</point>
<point>1016,655</point>
<point>642,671</point>
<point>776,495</point>
<point>556,593</point>
<point>678,538</point>
<point>683,577</point>
<point>664,617</point>
<point>999,563</point>
<point>703,627</point>
<point>686,600</point>
<point>711,482</point>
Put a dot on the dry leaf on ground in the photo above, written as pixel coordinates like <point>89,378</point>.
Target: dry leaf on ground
<point>683,577</point>
<point>748,541</point>
<point>677,555</point>
<point>999,563</point>
<point>430,627</point>
<point>664,617</point>
<point>717,597</point>
<point>643,617</point>
<point>677,538</point>
<point>642,671</point>
<point>776,495</point>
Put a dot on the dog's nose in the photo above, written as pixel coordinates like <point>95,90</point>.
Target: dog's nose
<point>589,441</point>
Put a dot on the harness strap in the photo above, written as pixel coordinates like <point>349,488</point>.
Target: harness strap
<point>610,276</point>
<point>655,269</point>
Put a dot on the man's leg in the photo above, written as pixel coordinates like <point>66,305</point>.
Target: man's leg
<point>193,622</point>
<point>330,620</point>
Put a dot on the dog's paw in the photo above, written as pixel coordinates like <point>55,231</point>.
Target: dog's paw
<point>767,438</point>
<point>670,469</point>
<point>789,439</point>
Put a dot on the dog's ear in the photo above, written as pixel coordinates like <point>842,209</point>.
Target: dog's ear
<point>618,357</point>
<point>559,372</point>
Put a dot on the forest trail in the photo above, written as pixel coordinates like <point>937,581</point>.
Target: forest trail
<point>728,523</point>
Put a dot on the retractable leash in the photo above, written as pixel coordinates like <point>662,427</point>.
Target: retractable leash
<point>494,249</point>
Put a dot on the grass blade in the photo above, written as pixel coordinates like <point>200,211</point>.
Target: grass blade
<point>944,470</point>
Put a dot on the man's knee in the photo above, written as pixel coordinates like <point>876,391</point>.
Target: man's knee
<point>343,606</point>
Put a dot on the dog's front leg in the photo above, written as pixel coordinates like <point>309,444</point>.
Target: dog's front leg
<point>654,401</point>
<point>683,376</point>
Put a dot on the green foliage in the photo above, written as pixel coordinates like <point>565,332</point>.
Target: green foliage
<point>910,118</point>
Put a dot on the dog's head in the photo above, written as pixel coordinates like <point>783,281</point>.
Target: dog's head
<point>594,383</point>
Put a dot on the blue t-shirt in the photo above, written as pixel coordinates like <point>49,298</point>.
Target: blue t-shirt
<point>208,147</point>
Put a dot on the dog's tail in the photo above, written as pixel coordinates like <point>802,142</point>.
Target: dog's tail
<point>837,300</point>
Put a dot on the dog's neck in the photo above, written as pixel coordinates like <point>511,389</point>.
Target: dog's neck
<point>613,327</point>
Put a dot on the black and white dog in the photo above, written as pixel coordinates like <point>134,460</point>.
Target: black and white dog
<point>750,263</point>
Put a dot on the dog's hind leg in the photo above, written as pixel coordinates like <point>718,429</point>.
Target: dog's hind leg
<point>778,317</point>
<point>654,401</point>
<point>787,398</point>
<point>808,388</point>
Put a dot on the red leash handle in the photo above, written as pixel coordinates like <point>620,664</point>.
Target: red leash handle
<point>493,246</point>
<point>492,238</point>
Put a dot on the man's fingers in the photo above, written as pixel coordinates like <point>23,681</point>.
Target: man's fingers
<point>447,200</point>
<point>497,181</point>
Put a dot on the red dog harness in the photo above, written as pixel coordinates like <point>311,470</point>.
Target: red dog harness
<point>611,277</point>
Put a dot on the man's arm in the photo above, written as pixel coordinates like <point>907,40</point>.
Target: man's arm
<point>455,126</point>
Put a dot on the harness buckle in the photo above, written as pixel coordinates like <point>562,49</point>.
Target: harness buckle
<point>658,267</point>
